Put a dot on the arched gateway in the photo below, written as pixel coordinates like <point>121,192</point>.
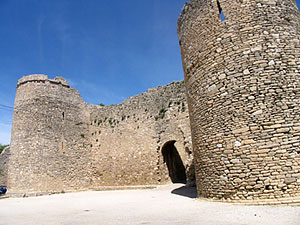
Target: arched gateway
<point>174,163</point>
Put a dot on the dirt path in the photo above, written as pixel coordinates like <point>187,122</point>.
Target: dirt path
<point>151,206</point>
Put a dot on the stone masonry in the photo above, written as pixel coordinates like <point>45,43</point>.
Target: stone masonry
<point>60,143</point>
<point>4,158</point>
<point>241,60</point>
<point>243,89</point>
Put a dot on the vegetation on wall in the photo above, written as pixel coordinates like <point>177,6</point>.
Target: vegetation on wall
<point>2,147</point>
<point>161,114</point>
<point>182,107</point>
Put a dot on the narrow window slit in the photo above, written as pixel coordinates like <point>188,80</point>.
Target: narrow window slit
<point>221,14</point>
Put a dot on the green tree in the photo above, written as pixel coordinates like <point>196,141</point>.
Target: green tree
<point>2,147</point>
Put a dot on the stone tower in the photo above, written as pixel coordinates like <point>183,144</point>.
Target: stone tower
<point>46,146</point>
<point>241,63</point>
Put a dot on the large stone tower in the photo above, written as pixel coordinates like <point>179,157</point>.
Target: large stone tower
<point>243,87</point>
<point>47,151</point>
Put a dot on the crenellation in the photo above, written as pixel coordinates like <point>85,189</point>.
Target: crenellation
<point>41,78</point>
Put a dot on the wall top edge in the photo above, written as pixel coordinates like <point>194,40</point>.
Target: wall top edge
<point>42,78</point>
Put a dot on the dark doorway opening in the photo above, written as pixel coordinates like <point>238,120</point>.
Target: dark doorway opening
<point>174,163</point>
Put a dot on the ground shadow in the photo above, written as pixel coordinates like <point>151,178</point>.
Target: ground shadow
<point>186,191</point>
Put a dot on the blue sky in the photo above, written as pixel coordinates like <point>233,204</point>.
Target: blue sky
<point>107,49</point>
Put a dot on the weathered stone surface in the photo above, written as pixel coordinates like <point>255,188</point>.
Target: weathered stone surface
<point>4,158</point>
<point>260,109</point>
<point>59,142</point>
<point>240,130</point>
<point>242,84</point>
<point>290,180</point>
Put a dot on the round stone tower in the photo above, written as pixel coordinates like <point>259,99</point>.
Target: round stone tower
<point>241,63</point>
<point>47,150</point>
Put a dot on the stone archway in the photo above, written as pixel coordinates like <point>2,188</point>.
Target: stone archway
<point>174,163</point>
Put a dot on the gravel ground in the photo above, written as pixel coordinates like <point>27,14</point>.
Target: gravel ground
<point>169,204</point>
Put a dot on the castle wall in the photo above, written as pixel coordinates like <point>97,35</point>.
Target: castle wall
<point>61,143</point>
<point>242,80</point>
<point>4,159</point>
<point>127,139</point>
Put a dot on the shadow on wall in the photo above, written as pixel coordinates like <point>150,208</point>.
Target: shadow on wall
<point>190,173</point>
<point>186,191</point>
<point>174,163</point>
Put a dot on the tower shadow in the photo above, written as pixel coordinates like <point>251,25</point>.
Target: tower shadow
<point>186,191</point>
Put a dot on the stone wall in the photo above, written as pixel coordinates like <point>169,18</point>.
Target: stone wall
<point>61,143</point>
<point>243,90</point>
<point>4,158</point>
<point>127,139</point>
